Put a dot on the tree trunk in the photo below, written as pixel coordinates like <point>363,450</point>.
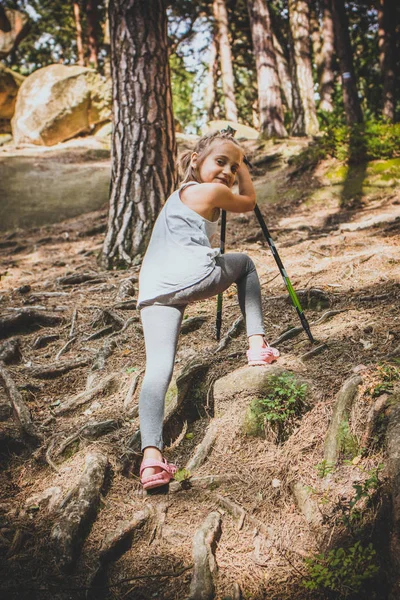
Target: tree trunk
<point>387,56</point>
<point>107,43</point>
<point>79,42</point>
<point>344,51</point>
<point>211,91</point>
<point>221,19</point>
<point>327,76</point>
<point>298,123</point>
<point>283,71</point>
<point>300,29</point>
<point>143,142</point>
<point>269,90</point>
<point>92,20</point>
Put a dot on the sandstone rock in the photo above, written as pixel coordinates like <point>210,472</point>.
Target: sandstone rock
<point>58,102</point>
<point>10,83</point>
<point>242,131</point>
<point>14,27</point>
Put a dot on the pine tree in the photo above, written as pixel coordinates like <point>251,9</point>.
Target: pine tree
<point>269,93</point>
<point>143,142</point>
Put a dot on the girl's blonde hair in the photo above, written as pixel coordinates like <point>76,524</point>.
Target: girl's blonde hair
<point>202,148</point>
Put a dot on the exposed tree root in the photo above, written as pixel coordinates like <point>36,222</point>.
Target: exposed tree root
<point>108,383</point>
<point>204,482</point>
<point>118,542</point>
<point>89,431</point>
<point>306,504</point>
<point>236,511</point>
<point>20,409</point>
<point>56,370</point>
<point>205,568</point>
<point>314,352</point>
<point>341,410</point>
<point>377,409</point>
<point>10,351</point>
<point>129,407</point>
<point>204,448</point>
<point>44,340</point>
<point>235,329</point>
<point>192,324</point>
<point>77,278</point>
<point>26,320</point>
<point>78,511</point>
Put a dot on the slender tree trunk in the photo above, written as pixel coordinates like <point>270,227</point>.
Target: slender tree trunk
<point>211,91</point>
<point>143,142</point>
<point>221,19</point>
<point>387,56</point>
<point>300,30</point>
<point>283,71</point>
<point>298,122</point>
<point>327,75</point>
<point>79,42</point>
<point>269,89</point>
<point>107,43</point>
<point>344,51</point>
<point>92,19</point>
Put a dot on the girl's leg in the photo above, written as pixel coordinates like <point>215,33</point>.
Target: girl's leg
<point>161,326</point>
<point>239,269</point>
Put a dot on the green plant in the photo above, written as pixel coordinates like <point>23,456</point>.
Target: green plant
<point>341,570</point>
<point>352,510</point>
<point>279,410</point>
<point>182,475</point>
<point>324,468</point>
<point>348,442</point>
<point>388,375</point>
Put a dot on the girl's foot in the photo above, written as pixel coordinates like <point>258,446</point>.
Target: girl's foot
<point>155,454</point>
<point>155,471</point>
<point>260,352</point>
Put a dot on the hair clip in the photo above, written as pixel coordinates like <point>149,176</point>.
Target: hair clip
<point>229,130</point>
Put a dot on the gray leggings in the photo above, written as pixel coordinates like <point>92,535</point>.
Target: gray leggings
<point>161,326</point>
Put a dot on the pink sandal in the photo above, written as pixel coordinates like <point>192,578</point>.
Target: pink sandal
<point>262,356</point>
<point>159,479</point>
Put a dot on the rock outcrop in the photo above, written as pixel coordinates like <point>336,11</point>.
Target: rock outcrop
<point>14,26</point>
<point>58,102</point>
<point>242,131</point>
<point>10,83</point>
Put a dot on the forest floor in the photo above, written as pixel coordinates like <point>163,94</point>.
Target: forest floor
<point>337,231</point>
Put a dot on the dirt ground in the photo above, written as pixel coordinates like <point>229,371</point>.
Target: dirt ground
<point>348,249</point>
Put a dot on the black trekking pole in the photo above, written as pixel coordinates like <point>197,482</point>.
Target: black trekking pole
<point>218,321</point>
<point>292,293</point>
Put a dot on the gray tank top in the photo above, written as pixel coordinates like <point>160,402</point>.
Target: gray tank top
<point>179,253</point>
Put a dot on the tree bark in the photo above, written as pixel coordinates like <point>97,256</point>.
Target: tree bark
<point>387,56</point>
<point>327,75</point>
<point>92,19</point>
<point>344,51</point>
<point>300,30</point>
<point>283,71</point>
<point>269,91</point>
<point>221,19</point>
<point>211,92</point>
<point>79,41</point>
<point>143,140</point>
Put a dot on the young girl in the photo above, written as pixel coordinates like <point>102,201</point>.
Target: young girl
<point>180,266</point>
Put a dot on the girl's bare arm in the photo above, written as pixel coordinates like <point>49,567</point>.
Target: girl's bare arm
<point>208,196</point>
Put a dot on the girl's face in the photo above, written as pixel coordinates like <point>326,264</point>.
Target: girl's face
<point>221,163</point>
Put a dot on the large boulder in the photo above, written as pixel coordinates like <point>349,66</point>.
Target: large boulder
<point>14,26</point>
<point>10,83</point>
<point>242,131</point>
<point>58,102</point>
